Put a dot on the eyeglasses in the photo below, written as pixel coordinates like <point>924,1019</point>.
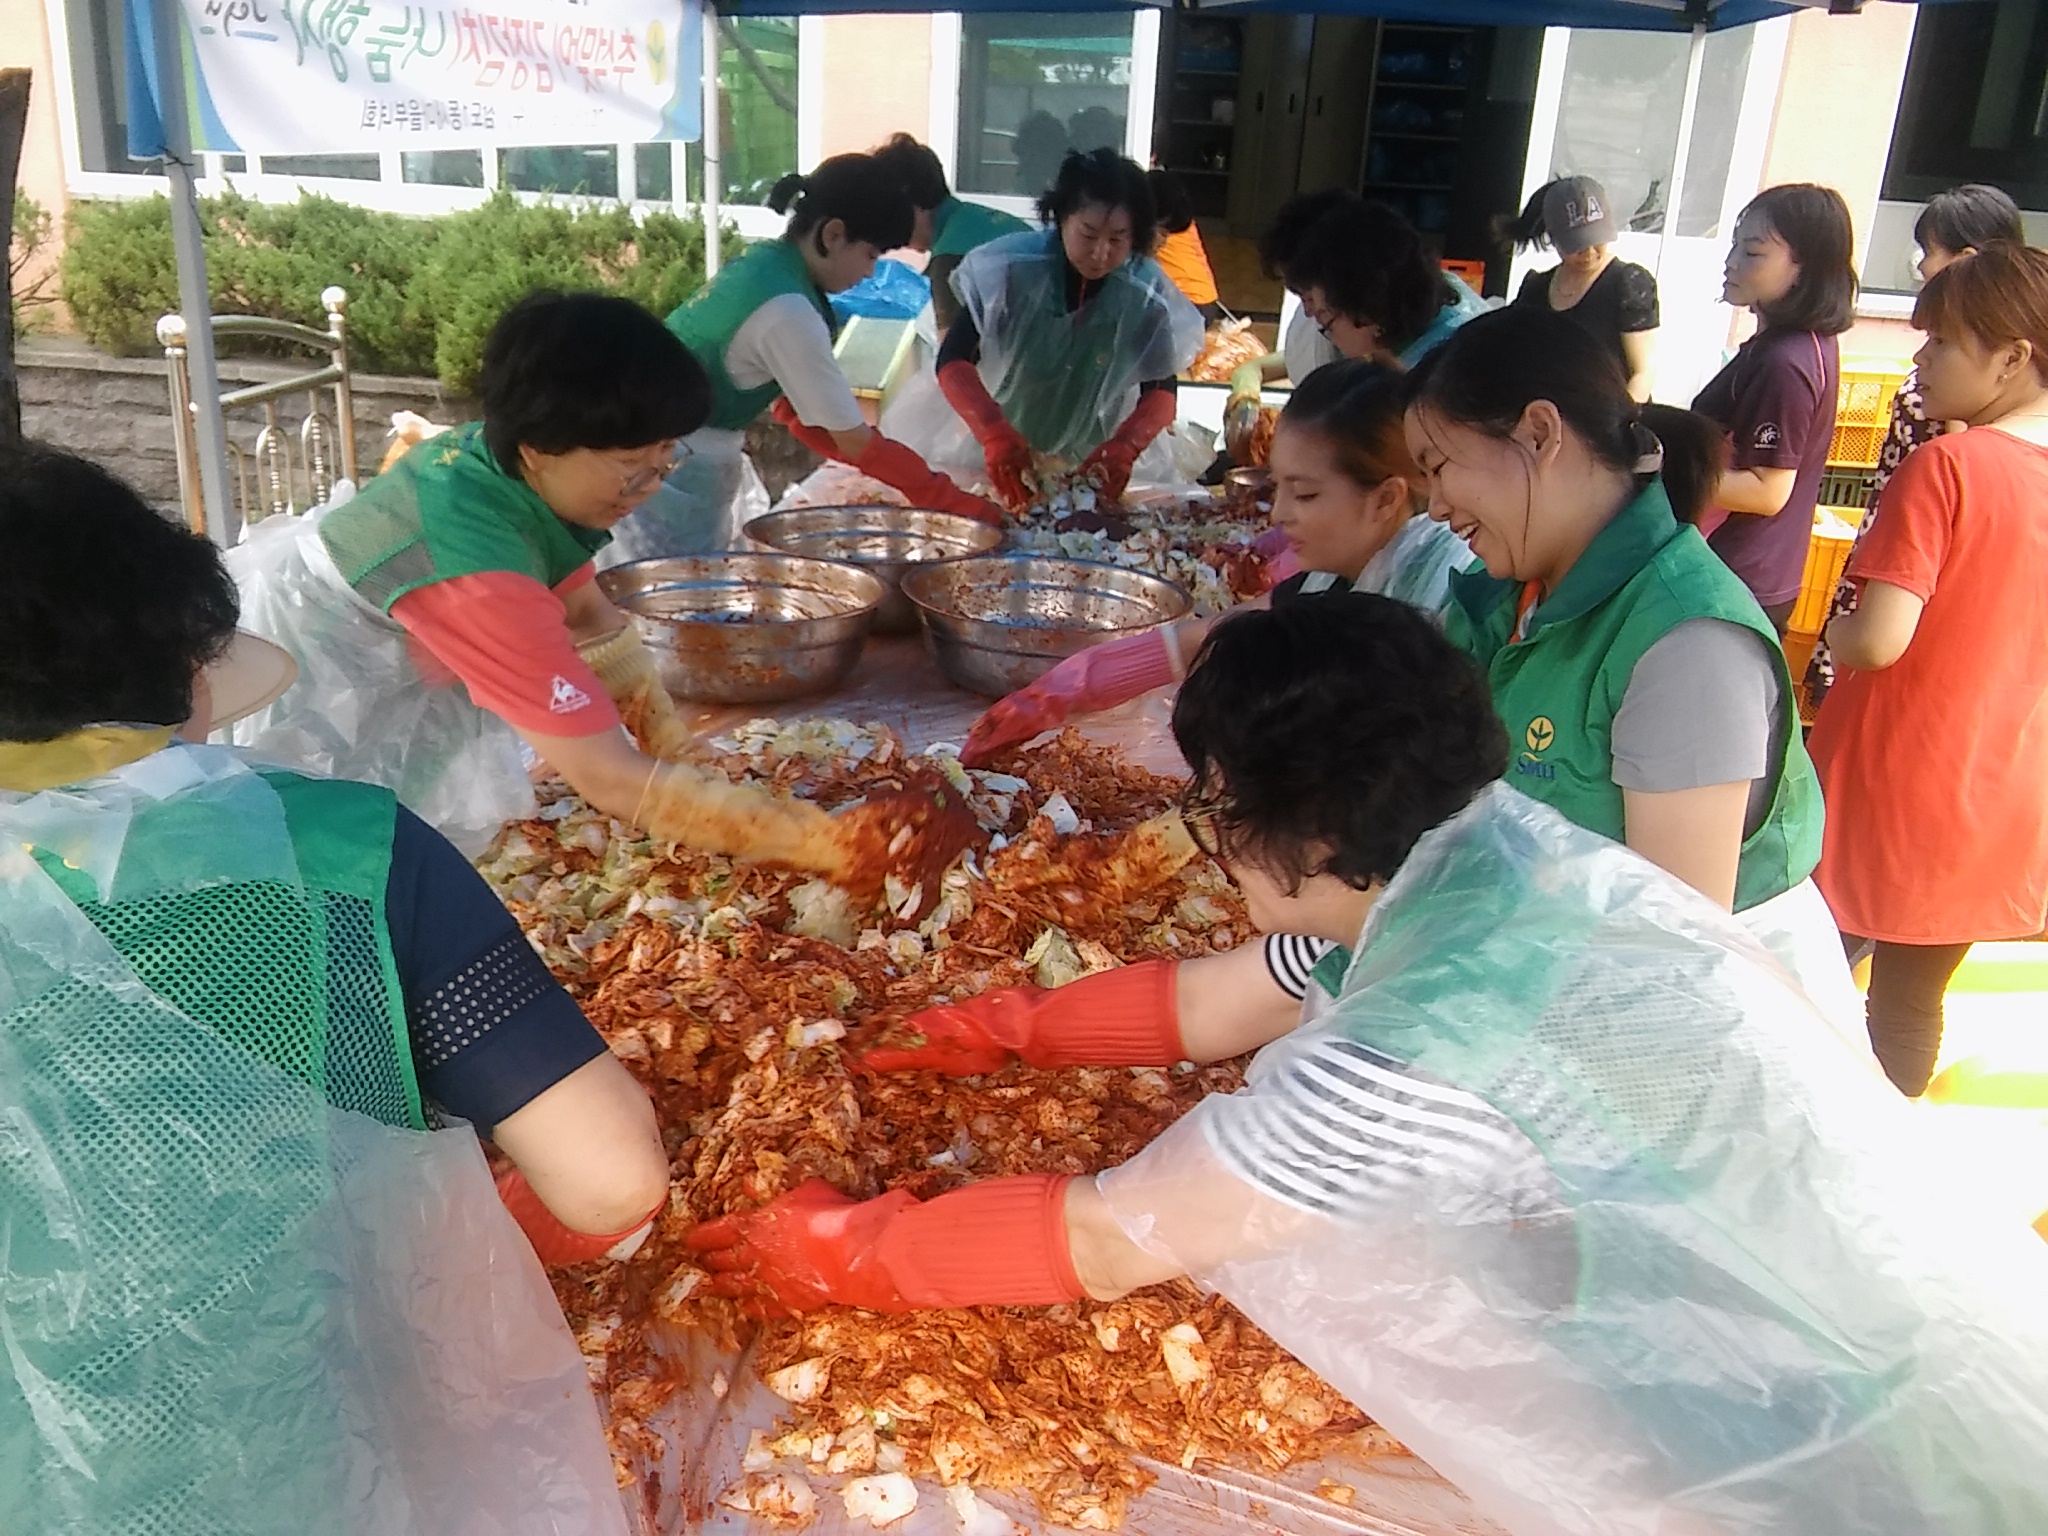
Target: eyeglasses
<point>1200,814</point>
<point>678,453</point>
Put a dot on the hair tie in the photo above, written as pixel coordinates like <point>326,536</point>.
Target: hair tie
<point>1649,450</point>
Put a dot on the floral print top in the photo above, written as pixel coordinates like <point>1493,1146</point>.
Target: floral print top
<point>1909,428</point>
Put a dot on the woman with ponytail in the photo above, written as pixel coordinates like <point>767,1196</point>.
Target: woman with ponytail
<point>763,331</point>
<point>1642,687</point>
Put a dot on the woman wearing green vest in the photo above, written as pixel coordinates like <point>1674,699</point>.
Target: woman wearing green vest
<point>763,331</point>
<point>446,614</point>
<point>1643,689</point>
<point>237,1003</point>
<point>945,226</point>
<point>1070,338</point>
<point>1564,1183</point>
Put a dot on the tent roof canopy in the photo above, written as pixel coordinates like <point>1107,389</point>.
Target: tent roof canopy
<point>1627,15</point>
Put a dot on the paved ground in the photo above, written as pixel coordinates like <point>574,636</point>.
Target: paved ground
<point>1998,1029</point>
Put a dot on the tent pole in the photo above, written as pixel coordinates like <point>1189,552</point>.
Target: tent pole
<point>714,169</point>
<point>1688,109</point>
<point>189,246</point>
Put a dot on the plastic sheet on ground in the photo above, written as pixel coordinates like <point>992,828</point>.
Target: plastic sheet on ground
<point>708,1437</point>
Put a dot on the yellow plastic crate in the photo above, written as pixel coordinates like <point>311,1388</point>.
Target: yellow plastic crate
<point>1834,533</point>
<point>1863,412</point>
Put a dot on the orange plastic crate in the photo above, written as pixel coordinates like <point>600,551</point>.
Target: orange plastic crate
<point>1863,413</point>
<point>1474,274</point>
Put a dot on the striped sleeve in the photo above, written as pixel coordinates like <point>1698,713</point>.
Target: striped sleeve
<point>1291,958</point>
<point>1340,1127</point>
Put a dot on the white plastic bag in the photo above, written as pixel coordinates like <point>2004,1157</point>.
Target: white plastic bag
<point>362,708</point>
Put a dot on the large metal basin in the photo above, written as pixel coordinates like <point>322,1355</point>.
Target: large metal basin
<point>998,622</point>
<point>885,541</point>
<point>747,629</point>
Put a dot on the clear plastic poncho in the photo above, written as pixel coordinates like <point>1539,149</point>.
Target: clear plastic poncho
<point>1732,1285</point>
<point>229,1307</point>
<point>1067,381</point>
<point>362,707</point>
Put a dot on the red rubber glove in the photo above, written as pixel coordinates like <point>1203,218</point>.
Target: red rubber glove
<point>1100,677</point>
<point>1128,1017</point>
<point>894,465</point>
<point>998,1243</point>
<point>557,1245</point>
<point>1002,445</point>
<point>1110,465</point>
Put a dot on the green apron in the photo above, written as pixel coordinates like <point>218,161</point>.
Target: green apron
<point>710,319</point>
<point>322,586</point>
<point>444,510</point>
<point>1559,688</point>
<point>959,226</point>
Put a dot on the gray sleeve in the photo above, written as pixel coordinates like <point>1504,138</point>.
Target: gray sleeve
<point>1701,708</point>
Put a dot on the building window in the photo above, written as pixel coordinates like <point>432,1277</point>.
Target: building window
<point>653,173</point>
<point>582,170</point>
<point>757,94</point>
<point>337,167</point>
<point>443,167</point>
<point>1617,122</point>
<point>1034,86</point>
<point>1975,103</point>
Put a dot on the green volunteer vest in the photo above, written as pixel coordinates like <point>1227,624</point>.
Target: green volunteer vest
<point>311,987</point>
<point>959,226</point>
<point>445,510</point>
<point>1559,688</point>
<point>711,318</point>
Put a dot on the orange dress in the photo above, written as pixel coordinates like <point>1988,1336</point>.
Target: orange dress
<point>1936,768</point>
<point>1185,259</point>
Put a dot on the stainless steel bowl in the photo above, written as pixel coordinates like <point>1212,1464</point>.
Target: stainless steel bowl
<point>885,541</point>
<point>747,629</point>
<point>997,622</point>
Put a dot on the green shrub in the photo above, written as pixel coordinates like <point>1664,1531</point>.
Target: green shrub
<point>422,292</point>
<point>119,273</point>
<point>486,258</point>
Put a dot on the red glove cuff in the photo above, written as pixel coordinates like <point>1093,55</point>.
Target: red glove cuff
<point>1000,1243</point>
<point>817,439</point>
<point>1128,1017</point>
<point>961,384</point>
<point>555,1244</point>
<point>1152,415</point>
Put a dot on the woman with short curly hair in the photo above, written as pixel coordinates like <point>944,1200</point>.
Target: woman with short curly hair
<point>1557,1178</point>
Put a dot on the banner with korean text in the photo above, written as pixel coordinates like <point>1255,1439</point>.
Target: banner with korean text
<point>284,77</point>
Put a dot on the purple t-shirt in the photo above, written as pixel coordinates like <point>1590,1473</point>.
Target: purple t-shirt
<point>1776,402</point>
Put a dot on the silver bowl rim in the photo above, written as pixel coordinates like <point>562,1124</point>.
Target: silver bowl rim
<point>932,570</point>
<point>756,528</point>
<point>875,591</point>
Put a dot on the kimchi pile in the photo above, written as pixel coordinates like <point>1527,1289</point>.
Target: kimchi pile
<point>736,995</point>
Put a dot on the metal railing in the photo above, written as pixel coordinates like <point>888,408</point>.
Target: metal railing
<point>283,472</point>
